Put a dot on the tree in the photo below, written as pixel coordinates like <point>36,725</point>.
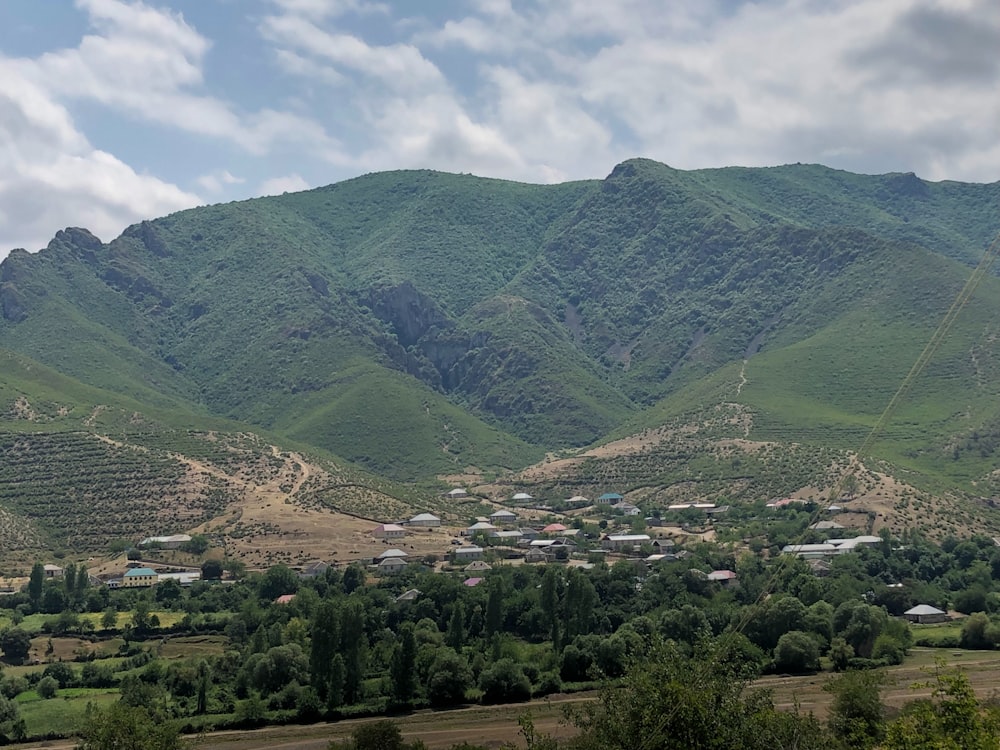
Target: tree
<point>979,633</point>
<point>504,682</point>
<point>402,670</point>
<point>354,578</point>
<point>123,727</point>
<point>12,726</point>
<point>325,642</point>
<point>796,652</point>
<point>455,636</point>
<point>841,653</point>
<point>671,701</point>
<point>47,687</point>
<point>16,644</point>
<point>277,581</point>
<point>212,570</point>
<point>494,607</point>
<point>448,679</point>
<point>36,582</point>
<point>378,735</point>
<point>953,718</point>
<point>353,643</point>
<point>109,620</point>
<point>857,713</point>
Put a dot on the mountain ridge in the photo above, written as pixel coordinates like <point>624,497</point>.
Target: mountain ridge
<point>417,323</point>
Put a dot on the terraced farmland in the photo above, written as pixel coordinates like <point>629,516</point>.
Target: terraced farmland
<point>81,491</point>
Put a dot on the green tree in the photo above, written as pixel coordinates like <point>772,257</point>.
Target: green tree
<point>15,644</point>
<point>448,679</point>
<point>277,581</point>
<point>952,720</point>
<point>12,726</point>
<point>402,670</point>
<point>124,727</point>
<point>212,570</point>
<point>109,619</point>
<point>504,682</point>
<point>856,713</point>
<point>325,643</point>
<point>674,702</point>
<point>494,607</point>
<point>353,648</point>
<point>455,637</point>
<point>36,582</point>
<point>47,687</point>
<point>796,652</point>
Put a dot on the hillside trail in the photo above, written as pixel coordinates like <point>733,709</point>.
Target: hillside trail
<point>743,378</point>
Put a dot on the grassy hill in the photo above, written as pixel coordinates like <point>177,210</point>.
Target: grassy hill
<point>418,323</point>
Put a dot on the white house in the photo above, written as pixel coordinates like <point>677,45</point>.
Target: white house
<point>521,497</point>
<point>425,520</point>
<point>619,542</point>
<point>458,492</point>
<point>166,542</point>
<point>392,565</point>
<point>480,527</point>
<point>503,517</point>
<point>390,554</point>
<point>389,531</point>
<point>468,554</point>
<point>53,571</point>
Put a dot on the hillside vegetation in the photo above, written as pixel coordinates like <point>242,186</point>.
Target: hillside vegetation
<point>418,324</point>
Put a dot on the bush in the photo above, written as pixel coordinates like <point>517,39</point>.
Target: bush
<point>888,649</point>
<point>796,651</point>
<point>504,682</point>
<point>47,687</point>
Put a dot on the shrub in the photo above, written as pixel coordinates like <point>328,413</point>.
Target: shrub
<point>47,687</point>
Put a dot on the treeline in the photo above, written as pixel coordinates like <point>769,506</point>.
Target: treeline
<point>344,645</point>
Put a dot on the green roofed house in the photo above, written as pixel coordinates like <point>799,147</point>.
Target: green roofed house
<point>610,498</point>
<point>137,577</point>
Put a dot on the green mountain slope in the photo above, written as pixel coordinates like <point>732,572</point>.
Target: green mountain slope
<point>420,323</point>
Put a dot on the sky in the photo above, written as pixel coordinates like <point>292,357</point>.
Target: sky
<point>112,111</point>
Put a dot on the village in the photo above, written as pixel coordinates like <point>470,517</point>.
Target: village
<point>523,531</point>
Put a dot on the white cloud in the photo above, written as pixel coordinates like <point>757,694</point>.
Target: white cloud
<point>291,183</point>
<point>216,181</point>
<point>51,177</point>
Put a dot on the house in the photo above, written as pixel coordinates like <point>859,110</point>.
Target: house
<point>925,613</point>
<point>537,555</point>
<point>522,497</point>
<point>391,565</point>
<point>409,595</point>
<point>809,551</point>
<point>468,554</point>
<point>554,528</point>
<point>478,566</point>
<point>470,582</point>
<point>314,569</point>
<point>137,577</point>
<point>624,542</point>
<point>627,508</point>
<point>390,554</point>
<point>783,503</point>
<point>610,498</point>
<point>503,517</point>
<point>820,568</point>
<point>387,531</point>
<point>821,525</point>
<point>480,527</point>
<point>849,545</point>
<point>458,492</point>
<point>166,542</point>
<point>726,578</point>
<point>425,520</point>
<point>578,500</point>
<point>183,577</point>
<point>284,599</point>
<point>510,537</point>
<point>53,571</point>
<point>528,533</point>
<point>663,546</point>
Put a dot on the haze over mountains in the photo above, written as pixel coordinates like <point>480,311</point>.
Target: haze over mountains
<point>420,323</point>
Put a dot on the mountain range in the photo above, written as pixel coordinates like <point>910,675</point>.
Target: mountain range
<point>407,326</point>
